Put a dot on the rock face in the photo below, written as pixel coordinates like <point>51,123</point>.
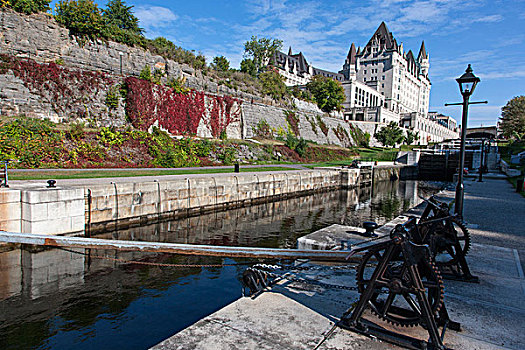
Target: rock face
<point>40,38</point>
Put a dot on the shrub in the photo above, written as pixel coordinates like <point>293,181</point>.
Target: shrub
<point>342,136</point>
<point>145,73</point>
<point>204,148</point>
<point>227,155</point>
<point>27,6</point>
<point>76,131</point>
<point>177,84</point>
<point>263,130</point>
<point>322,125</point>
<point>298,145</point>
<point>32,142</point>
<point>293,120</point>
<point>112,97</point>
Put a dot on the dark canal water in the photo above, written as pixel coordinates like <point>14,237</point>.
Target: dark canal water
<point>56,299</point>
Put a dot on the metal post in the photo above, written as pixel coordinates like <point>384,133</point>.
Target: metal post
<point>121,54</point>
<point>481,166</point>
<point>6,179</point>
<point>458,208</point>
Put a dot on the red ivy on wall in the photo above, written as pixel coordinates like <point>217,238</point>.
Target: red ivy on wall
<point>222,113</point>
<point>178,113</point>
<point>62,87</point>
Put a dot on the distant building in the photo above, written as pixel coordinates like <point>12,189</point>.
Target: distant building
<point>382,83</point>
<point>297,71</point>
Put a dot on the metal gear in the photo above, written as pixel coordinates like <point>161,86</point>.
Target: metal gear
<point>396,303</point>
<point>443,241</point>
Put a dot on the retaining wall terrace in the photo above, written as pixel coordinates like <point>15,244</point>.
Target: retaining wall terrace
<point>41,38</point>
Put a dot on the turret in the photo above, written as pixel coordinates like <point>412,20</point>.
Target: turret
<point>423,59</point>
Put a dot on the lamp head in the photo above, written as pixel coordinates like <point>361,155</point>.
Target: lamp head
<point>467,82</point>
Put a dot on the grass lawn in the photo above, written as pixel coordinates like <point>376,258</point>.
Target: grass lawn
<point>96,173</point>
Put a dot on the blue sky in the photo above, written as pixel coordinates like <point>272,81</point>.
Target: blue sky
<point>488,34</point>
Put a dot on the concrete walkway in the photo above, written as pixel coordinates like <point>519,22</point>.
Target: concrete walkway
<point>294,315</point>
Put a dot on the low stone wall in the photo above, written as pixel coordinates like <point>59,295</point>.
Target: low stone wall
<point>103,207</point>
<point>118,205</point>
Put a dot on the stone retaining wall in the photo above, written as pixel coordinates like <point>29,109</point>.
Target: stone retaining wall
<point>39,37</point>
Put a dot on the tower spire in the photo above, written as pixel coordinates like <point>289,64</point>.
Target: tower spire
<point>422,51</point>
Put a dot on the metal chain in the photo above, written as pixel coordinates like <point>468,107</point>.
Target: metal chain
<point>152,263</point>
<point>303,280</point>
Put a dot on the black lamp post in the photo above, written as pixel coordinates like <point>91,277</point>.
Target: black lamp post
<point>467,83</point>
<point>120,54</point>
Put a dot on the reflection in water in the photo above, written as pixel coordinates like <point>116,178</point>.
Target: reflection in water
<point>55,298</point>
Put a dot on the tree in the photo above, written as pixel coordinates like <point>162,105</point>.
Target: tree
<point>261,51</point>
<point>27,6</point>
<point>411,137</point>
<point>121,16</point>
<point>82,17</point>
<point>221,63</point>
<point>390,135</point>
<point>328,93</point>
<point>248,67</point>
<point>512,120</point>
<point>273,85</point>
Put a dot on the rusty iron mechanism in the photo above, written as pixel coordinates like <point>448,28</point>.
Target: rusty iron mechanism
<point>448,238</point>
<point>399,277</point>
<point>404,287</point>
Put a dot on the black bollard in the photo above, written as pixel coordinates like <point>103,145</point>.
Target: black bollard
<point>237,168</point>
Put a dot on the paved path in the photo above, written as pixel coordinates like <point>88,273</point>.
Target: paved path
<point>495,213</point>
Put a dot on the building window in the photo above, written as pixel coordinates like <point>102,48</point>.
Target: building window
<point>365,71</point>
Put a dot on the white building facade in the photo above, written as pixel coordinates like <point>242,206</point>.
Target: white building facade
<point>382,84</point>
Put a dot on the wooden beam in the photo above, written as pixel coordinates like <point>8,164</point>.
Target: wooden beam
<point>175,248</point>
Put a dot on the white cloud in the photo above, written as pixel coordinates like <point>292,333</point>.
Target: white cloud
<point>489,19</point>
<point>155,16</point>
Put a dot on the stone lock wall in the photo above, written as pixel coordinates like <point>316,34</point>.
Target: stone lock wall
<point>66,210</point>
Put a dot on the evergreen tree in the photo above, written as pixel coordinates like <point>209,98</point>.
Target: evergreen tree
<point>248,67</point>
<point>220,63</point>
<point>119,15</point>
<point>512,120</point>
